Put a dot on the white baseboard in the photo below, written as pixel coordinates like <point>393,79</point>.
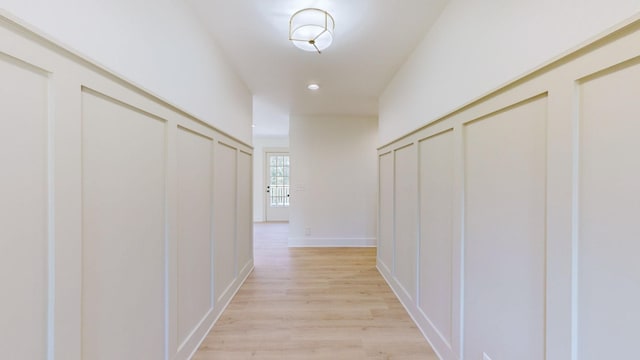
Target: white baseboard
<point>217,312</point>
<point>332,242</point>
<point>412,310</point>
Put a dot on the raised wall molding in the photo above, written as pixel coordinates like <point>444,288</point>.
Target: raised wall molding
<point>537,229</point>
<point>119,211</point>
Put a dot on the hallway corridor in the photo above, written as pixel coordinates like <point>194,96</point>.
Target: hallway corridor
<point>313,303</point>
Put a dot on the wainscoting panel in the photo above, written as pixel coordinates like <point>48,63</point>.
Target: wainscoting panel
<point>609,205</point>
<point>245,225</point>
<point>125,222</point>
<point>505,214</point>
<point>385,205</point>
<point>195,199</point>
<point>406,229</point>
<point>24,209</point>
<point>436,233</point>
<point>224,249</point>
<point>123,164</point>
<point>527,208</point>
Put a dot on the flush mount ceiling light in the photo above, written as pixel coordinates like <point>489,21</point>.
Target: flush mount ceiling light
<point>313,86</point>
<point>311,29</point>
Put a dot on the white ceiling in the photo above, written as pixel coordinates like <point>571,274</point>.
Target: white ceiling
<point>372,39</point>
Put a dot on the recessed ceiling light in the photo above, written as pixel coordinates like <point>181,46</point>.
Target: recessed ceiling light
<point>313,87</point>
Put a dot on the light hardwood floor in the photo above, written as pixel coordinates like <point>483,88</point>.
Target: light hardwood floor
<point>313,303</point>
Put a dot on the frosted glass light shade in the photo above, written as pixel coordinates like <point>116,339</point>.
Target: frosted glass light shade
<point>311,29</point>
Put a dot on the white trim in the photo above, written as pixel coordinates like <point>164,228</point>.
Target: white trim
<point>51,221</point>
<point>332,242</point>
<point>407,307</point>
<point>221,310</point>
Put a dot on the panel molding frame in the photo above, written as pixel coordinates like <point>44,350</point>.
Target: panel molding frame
<point>70,76</point>
<point>123,105</point>
<point>48,240</point>
<point>225,294</point>
<point>195,333</point>
<point>429,329</point>
<point>491,116</point>
<point>601,71</point>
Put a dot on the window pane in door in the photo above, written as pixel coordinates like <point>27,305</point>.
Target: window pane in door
<point>279,186</point>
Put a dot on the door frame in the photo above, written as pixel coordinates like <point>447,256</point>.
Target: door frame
<point>265,175</point>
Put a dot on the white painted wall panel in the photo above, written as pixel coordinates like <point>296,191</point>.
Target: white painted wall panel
<point>385,232</point>
<point>23,210</point>
<point>406,215</point>
<point>195,205</point>
<point>609,205</point>
<point>106,212</point>
<point>123,231</point>
<point>245,225</point>
<point>544,212</point>
<point>505,177</point>
<point>436,231</point>
<point>224,236</point>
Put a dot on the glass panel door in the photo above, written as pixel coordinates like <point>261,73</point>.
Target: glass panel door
<point>277,191</point>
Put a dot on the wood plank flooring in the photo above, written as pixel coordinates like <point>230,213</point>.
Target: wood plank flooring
<point>313,303</point>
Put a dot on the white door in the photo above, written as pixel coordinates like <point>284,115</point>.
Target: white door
<point>277,186</point>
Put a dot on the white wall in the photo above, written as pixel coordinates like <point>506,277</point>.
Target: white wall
<point>509,228</point>
<point>260,145</point>
<point>477,46</point>
<point>159,45</point>
<point>333,181</point>
<point>125,225</point>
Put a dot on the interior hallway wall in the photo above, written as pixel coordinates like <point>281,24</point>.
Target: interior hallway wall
<point>333,181</point>
<point>260,145</point>
<point>508,227</point>
<point>125,223</point>
<point>478,46</point>
<point>160,45</point>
